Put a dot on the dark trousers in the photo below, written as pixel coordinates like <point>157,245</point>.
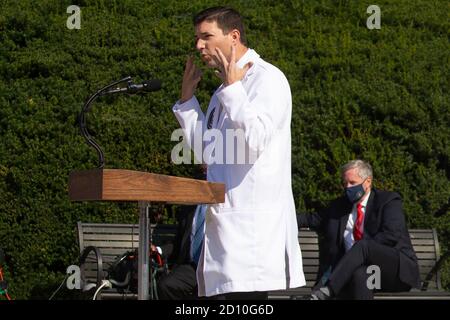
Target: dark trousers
<point>255,295</point>
<point>179,284</point>
<point>349,278</point>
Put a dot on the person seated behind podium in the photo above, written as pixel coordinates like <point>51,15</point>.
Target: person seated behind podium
<point>180,283</point>
<point>365,227</point>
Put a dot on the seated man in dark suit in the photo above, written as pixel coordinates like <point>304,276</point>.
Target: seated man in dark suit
<point>363,228</point>
<point>181,283</point>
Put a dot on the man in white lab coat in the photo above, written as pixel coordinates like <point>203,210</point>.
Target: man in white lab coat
<point>251,243</point>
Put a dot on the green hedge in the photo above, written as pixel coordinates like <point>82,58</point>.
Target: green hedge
<point>381,95</point>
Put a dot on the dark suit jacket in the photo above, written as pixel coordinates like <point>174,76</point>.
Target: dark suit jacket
<point>384,223</point>
<point>182,241</point>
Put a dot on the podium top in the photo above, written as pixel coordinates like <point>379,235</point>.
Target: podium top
<point>129,185</point>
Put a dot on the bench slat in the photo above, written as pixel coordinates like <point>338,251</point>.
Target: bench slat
<point>419,242</point>
<point>425,255</point>
<point>111,244</point>
<point>421,236</point>
<point>109,237</point>
<point>311,262</point>
<point>310,241</point>
<point>424,249</point>
<point>310,254</point>
<point>309,247</point>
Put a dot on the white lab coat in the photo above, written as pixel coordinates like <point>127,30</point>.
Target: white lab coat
<point>251,239</point>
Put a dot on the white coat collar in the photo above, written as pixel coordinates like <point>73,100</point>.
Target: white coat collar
<point>249,56</point>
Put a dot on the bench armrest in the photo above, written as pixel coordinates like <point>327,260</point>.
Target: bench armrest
<point>434,270</point>
<point>99,259</point>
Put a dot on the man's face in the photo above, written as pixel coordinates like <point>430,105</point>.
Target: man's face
<point>208,37</point>
<point>351,178</point>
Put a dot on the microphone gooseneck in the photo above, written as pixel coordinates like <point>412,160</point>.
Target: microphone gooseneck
<point>131,88</point>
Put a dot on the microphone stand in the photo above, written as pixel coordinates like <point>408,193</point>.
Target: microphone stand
<point>143,252</point>
<point>82,119</point>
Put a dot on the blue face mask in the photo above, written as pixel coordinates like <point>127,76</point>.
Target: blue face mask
<point>355,193</point>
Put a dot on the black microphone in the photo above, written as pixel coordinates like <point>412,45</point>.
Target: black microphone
<point>2,257</point>
<point>132,88</point>
<point>146,86</point>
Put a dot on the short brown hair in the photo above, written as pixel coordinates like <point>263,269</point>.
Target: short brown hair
<point>227,19</point>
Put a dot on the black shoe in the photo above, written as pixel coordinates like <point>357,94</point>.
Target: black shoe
<point>322,293</point>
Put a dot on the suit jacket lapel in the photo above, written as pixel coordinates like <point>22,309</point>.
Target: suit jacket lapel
<point>186,239</point>
<point>370,208</point>
<point>345,210</point>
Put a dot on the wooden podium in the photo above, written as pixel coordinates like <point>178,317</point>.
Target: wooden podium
<point>143,187</point>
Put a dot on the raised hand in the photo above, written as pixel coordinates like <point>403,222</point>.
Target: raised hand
<point>228,70</point>
<point>191,78</point>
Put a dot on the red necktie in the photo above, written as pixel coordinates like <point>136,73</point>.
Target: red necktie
<point>358,228</point>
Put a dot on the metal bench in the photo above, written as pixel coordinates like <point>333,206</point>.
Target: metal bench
<point>426,246</point>
<point>101,245</point>
<point>110,241</point>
